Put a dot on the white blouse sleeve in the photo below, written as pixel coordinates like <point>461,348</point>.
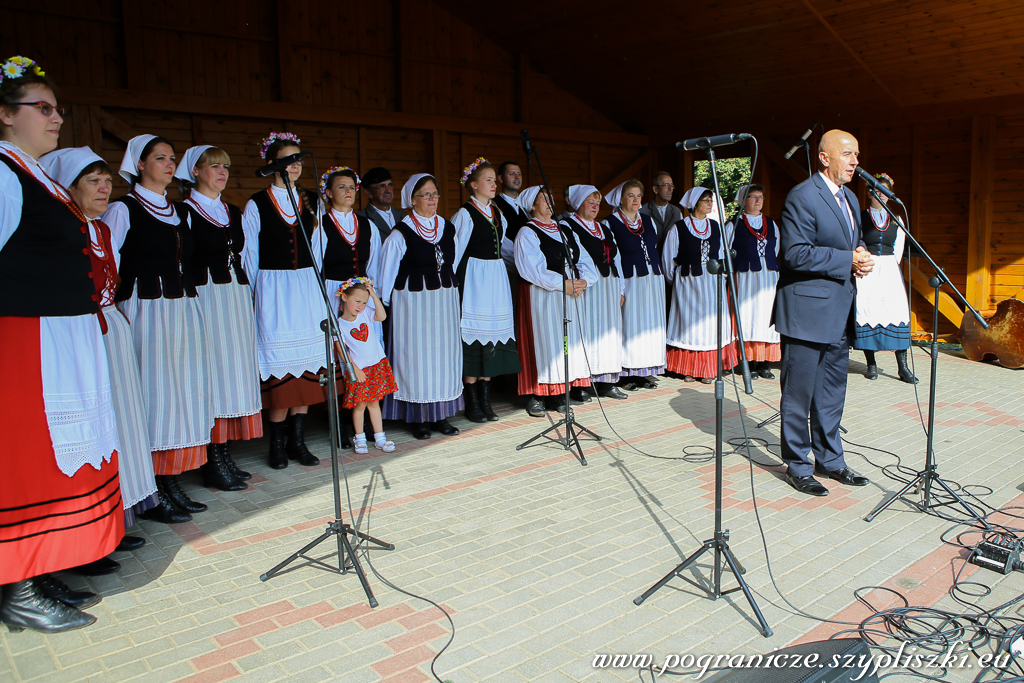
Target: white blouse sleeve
<point>531,263</point>
<point>251,250</point>
<point>508,247</point>
<point>778,239</point>
<point>318,245</point>
<point>901,243</point>
<point>618,257</point>
<point>391,255</point>
<point>463,223</point>
<point>588,271</point>
<point>668,252</point>
<point>10,204</point>
<point>117,219</point>
<point>373,264</point>
<point>730,230</point>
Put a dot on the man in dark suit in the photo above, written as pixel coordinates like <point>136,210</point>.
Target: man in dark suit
<point>821,254</point>
<point>381,189</point>
<point>660,208</point>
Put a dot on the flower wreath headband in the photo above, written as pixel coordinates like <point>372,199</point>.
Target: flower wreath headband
<point>16,66</point>
<point>354,281</point>
<point>331,171</point>
<point>885,176</point>
<point>273,137</point>
<point>468,171</point>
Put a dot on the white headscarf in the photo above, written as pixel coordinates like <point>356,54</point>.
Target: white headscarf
<point>189,161</point>
<point>739,193</point>
<point>130,164</point>
<point>692,195</point>
<point>64,165</point>
<point>410,184</point>
<point>578,193</point>
<point>614,198</point>
<point>527,197</point>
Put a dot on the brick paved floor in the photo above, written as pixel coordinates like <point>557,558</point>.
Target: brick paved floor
<point>538,559</point>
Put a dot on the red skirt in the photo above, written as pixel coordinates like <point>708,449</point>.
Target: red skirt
<point>48,520</point>
<point>758,352</point>
<point>237,428</point>
<point>380,381</point>
<point>699,363</point>
<point>177,460</point>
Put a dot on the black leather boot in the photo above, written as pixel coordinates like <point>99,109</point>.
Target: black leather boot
<point>216,473</point>
<point>872,371</point>
<point>177,496</point>
<point>278,456</point>
<point>296,446</point>
<point>535,407</point>
<point>473,412</point>
<point>24,606</point>
<point>166,512</point>
<point>52,587</point>
<point>484,389</point>
<point>905,374</point>
<point>233,467</point>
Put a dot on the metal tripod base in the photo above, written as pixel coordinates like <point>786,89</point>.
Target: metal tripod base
<point>720,544</point>
<point>571,439</point>
<point>342,531</point>
<point>926,479</point>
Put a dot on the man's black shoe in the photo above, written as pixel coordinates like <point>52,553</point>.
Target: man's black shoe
<point>846,476</point>
<point>808,485</point>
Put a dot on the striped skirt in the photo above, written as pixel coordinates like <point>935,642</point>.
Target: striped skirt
<point>425,350</point>
<point>602,328</point>
<point>137,482</point>
<point>643,326</point>
<point>756,293</point>
<point>540,343</point>
<point>230,332</point>
<point>171,350</point>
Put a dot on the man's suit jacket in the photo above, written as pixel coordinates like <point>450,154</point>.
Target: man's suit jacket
<point>672,216</point>
<point>814,297</point>
<point>378,221</point>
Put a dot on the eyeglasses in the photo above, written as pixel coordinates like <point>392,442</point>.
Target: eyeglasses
<point>45,107</point>
<point>709,200</point>
<point>428,195</point>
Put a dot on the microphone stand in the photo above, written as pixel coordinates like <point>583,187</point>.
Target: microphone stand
<point>332,348</point>
<point>571,439</point>
<point>723,270</point>
<point>929,477</point>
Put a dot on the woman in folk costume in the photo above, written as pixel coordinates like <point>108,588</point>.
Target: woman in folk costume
<point>158,296</point>
<point>417,280</point>
<point>883,314</point>
<point>540,259</point>
<point>226,301</point>
<point>288,303</point>
<point>488,334</point>
<point>60,503</point>
<point>643,318</point>
<point>756,264</point>
<point>89,181</point>
<point>601,304</point>
<point>692,338</point>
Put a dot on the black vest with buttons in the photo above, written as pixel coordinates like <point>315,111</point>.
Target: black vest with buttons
<point>602,249</point>
<point>485,239</point>
<point>631,246</point>
<point>155,256</point>
<point>45,267</point>
<point>343,261</point>
<point>553,251</point>
<point>878,242</point>
<point>217,250</point>
<point>418,269</point>
<point>688,256</point>
<point>745,242</point>
<point>281,245</point>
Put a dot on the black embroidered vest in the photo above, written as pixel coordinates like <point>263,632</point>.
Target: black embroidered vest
<point>155,255</point>
<point>45,267</point>
<point>343,261</point>
<point>602,249</point>
<point>553,251</point>
<point>689,255</point>
<point>879,242</point>
<point>217,250</point>
<point>281,245</point>
<point>515,219</point>
<point>419,269</point>
<point>745,244</point>
<point>485,239</point>
<point>631,246</point>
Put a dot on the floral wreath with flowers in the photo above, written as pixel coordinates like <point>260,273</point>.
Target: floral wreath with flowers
<point>16,66</point>
<point>331,171</point>
<point>885,177</point>
<point>468,171</point>
<point>352,281</point>
<point>272,138</point>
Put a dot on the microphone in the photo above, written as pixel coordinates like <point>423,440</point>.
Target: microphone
<point>716,141</point>
<point>281,164</point>
<point>874,184</point>
<point>525,135</point>
<point>803,139</point>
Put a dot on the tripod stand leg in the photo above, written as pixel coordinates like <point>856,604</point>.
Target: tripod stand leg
<point>542,434</point>
<point>886,503</point>
<point>672,574</point>
<point>737,570</point>
<point>348,528</point>
<point>951,492</point>
<point>358,569</point>
<point>296,555</point>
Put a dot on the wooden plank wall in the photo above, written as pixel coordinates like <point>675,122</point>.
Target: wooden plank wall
<point>1007,251</point>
